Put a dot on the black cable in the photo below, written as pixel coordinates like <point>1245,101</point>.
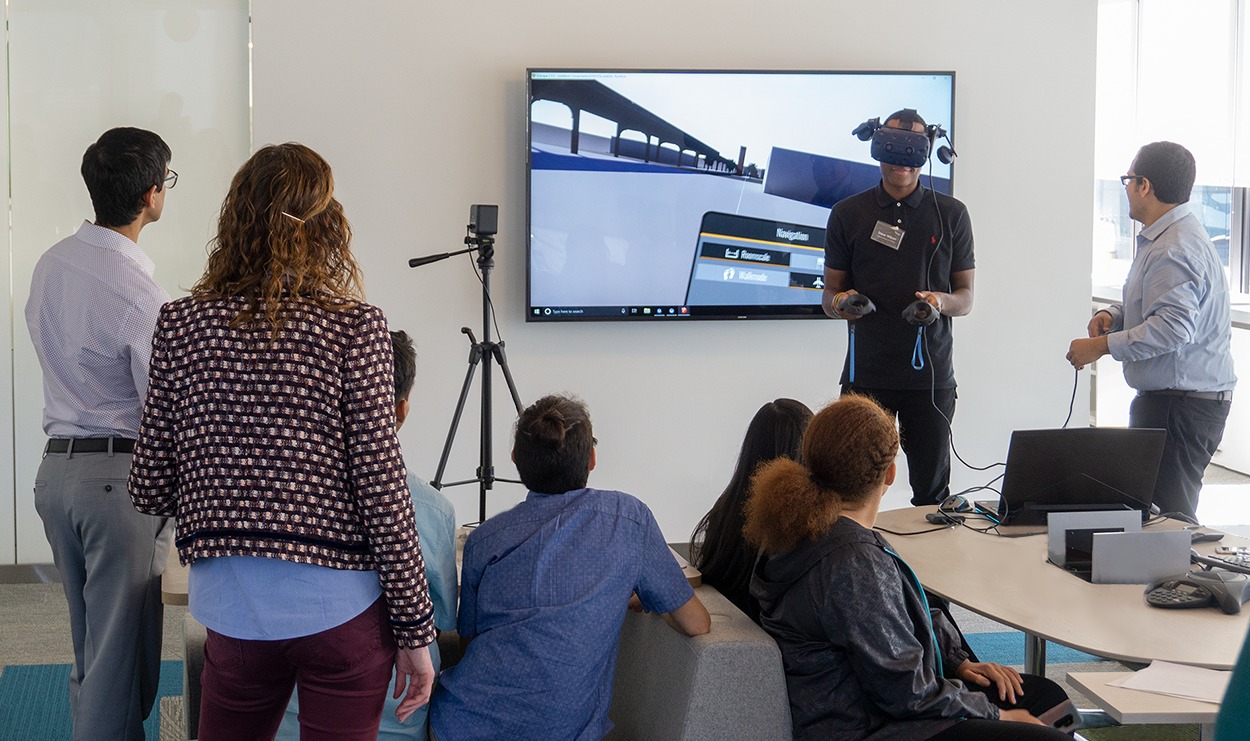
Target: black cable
<point>1076,377</point>
<point>914,532</point>
<point>489,300</point>
<point>950,431</point>
<point>928,279</point>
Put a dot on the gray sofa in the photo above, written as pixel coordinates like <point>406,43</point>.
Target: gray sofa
<point>728,684</point>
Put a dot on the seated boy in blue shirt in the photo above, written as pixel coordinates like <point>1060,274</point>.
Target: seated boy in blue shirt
<point>544,591</point>
<point>436,527</point>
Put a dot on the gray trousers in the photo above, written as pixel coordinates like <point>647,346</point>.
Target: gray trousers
<point>110,559</point>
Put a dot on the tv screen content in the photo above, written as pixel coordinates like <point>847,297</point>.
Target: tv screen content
<point>700,194</point>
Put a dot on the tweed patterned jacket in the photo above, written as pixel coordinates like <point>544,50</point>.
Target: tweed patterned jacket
<point>282,447</point>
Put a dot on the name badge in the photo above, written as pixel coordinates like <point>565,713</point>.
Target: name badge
<point>887,234</point>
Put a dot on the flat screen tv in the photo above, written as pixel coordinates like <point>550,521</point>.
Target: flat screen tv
<point>696,194</point>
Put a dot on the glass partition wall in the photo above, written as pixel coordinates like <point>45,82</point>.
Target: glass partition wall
<point>73,69</point>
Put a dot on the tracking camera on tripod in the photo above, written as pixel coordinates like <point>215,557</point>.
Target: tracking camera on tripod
<point>480,238</point>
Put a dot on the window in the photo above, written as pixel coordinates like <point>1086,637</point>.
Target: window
<point>1175,70</point>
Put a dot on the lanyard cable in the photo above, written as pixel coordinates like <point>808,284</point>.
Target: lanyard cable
<point>937,651</point>
<point>851,331</point>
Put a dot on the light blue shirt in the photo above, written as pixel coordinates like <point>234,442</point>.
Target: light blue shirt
<point>436,527</point>
<point>272,599</point>
<point>1173,329</point>
<point>92,308</point>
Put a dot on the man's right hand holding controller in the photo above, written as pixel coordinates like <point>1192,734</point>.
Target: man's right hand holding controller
<point>851,305</point>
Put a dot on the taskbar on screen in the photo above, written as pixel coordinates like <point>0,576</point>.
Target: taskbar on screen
<point>652,313</point>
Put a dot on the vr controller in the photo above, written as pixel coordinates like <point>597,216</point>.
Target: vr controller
<point>920,313</point>
<point>856,304</point>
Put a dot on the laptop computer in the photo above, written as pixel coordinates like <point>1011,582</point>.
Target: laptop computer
<point>1070,470</point>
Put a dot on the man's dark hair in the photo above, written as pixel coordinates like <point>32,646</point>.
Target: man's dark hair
<point>119,168</point>
<point>553,444</point>
<point>904,115</point>
<point>1169,167</point>
<point>405,364</point>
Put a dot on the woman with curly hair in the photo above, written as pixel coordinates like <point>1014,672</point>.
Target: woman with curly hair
<point>718,550</point>
<point>269,433</point>
<point>865,657</point>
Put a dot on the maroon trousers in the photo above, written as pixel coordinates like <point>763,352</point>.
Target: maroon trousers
<point>342,674</point>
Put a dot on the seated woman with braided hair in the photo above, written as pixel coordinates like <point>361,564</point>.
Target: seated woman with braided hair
<point>865,657</point>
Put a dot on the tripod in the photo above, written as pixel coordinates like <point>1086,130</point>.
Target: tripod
<point>484,352</point>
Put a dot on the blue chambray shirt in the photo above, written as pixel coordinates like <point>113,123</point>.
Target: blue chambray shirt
<point>543,594</point>
<point>1173,329</point>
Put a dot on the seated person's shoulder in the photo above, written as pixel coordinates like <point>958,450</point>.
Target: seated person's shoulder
<point>423,493</point>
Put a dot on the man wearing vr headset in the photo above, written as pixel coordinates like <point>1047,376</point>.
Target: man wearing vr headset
<point>894,245</point>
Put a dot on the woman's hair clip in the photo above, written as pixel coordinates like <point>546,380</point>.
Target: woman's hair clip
<point>292,216</point>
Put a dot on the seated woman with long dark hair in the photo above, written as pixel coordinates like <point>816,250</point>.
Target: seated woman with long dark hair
<point>717,548</point>
<point>865,658</point>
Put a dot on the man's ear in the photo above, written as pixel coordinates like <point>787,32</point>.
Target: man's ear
<point>890,473</point>
<point>402,408</point>
<point>593,453</point>
<point>149,198</point>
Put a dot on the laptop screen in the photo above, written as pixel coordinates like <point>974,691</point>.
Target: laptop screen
<point>1082,468</point>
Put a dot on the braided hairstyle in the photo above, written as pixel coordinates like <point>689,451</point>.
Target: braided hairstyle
<point>847,450</point>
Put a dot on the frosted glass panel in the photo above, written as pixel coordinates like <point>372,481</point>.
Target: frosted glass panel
<point>77,68</point>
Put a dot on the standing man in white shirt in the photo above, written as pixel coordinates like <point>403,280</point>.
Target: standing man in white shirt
<point>1172,331</point>
<point>92,309</point>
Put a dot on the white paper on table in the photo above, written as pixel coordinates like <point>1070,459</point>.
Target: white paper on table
<point>1178,680</point>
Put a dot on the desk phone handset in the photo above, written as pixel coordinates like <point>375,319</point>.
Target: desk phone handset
<point>1200,589</point>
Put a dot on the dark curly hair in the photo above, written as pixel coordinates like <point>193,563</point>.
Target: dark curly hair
<point>282,237</point>
<point>847,450</point>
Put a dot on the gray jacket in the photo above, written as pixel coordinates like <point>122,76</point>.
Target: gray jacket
<point>854,630</point>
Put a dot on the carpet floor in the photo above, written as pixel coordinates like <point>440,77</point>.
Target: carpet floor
<point>34,702</point>
<point>36,634</point>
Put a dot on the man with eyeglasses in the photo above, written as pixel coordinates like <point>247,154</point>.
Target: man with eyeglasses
<point>92,310</point>
<point>1172,330</point>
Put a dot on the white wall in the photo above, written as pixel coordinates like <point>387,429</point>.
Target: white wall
<point>420,108</point>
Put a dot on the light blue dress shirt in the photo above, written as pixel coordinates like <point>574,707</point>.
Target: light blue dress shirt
<point>92,308</point>
<point>1173,329</point>
<point>436,527</point>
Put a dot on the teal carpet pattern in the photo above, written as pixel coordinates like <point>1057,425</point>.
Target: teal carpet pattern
<point>34,701</point>
<point>1007,648</point>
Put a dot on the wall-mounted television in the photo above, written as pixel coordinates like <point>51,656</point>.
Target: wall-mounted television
<point>699,194</point>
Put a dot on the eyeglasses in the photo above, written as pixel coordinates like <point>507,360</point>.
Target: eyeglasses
<point>1125,178</point>
<point>171,179</point>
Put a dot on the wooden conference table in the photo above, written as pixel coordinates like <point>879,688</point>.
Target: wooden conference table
<point>1010,581</point>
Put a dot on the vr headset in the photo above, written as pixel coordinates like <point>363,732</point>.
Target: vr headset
<point>903,146</point>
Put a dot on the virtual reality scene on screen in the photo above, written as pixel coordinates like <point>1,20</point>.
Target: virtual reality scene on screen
<point>703,194</point>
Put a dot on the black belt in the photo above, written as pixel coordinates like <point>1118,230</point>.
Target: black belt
<point>90,445</point>
<point>1208,395</point>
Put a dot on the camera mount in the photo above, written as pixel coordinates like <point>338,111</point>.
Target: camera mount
<point>480,238</point>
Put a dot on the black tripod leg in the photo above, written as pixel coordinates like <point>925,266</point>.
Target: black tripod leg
<point>502,359</point>
<point>475,356</point>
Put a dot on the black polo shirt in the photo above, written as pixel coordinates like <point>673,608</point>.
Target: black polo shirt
<point>884,342</point>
